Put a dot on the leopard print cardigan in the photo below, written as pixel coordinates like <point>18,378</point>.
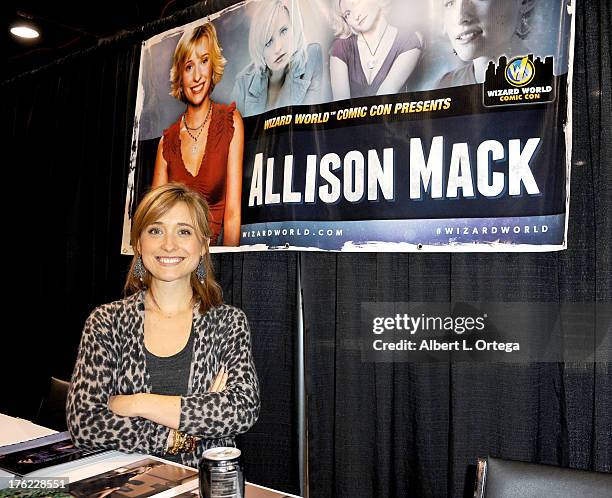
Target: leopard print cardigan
<point>111,360</point>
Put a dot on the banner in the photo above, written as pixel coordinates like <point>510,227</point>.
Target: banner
<point>364,125</point>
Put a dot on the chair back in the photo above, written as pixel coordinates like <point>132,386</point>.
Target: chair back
<point>52,410</point>
<point>497,478</point>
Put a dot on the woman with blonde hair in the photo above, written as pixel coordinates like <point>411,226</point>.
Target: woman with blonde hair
<point>283,70</point>
<point>203,148</point>
<point>369,56</point>
<point>168,370</point>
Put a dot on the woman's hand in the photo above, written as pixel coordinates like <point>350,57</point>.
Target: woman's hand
<point>218,384</point>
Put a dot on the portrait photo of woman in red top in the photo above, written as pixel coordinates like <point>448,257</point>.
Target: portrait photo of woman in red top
<point>203,148</point>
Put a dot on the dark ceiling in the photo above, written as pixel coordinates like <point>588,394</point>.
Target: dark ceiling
<point>69,26</point>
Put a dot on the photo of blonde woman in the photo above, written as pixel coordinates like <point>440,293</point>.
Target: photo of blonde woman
<point>203,148</point>
<point>369,56</point>
<point>284,70</point>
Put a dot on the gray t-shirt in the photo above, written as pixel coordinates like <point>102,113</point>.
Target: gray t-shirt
<point>170,374</point>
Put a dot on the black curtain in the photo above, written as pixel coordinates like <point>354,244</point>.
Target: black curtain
<point>399,429</point>
<point>68,132</point>
<point>374,429</point>
<point>264,286</point>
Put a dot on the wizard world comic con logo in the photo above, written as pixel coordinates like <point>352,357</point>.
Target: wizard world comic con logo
<point>520,71</point>
<point>522,80</point>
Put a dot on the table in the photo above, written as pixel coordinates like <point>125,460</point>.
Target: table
<point>15,430</point>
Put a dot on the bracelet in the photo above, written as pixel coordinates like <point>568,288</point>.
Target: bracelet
<point>182,443</point>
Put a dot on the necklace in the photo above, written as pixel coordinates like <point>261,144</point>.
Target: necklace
<point>195,137</point>
<point>373,61</point>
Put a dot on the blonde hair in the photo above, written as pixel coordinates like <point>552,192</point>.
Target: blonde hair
<point>261,30</point>
<point>339,24</point>
<point>153,206</point>
<point>184,48</point>
<point>340,27</point>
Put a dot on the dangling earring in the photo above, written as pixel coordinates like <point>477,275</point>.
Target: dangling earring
<point>201,270</point>
<point>523,29</point>
<point>139,270</point>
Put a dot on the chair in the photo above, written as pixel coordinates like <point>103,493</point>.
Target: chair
<point>52,410</point>
<point>497,478</point>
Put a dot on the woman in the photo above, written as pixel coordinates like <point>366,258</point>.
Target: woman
<point>203,148</point>
<point>369,56</point>
<point>482,31</point>
<point>284,71</point>
<point>168,370</point>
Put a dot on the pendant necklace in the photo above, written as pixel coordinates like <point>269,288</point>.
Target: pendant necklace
<point>200,128</point>
<point>373,61</point>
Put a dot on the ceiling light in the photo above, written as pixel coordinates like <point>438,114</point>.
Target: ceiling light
<point>24,32</point>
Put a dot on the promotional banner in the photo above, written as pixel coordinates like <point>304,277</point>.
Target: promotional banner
<point>364,125</point>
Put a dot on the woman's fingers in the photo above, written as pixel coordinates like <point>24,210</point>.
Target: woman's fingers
<point>216,382</point>
<point>215,388</point>
<point>220,381</point>
<point>223,382</point>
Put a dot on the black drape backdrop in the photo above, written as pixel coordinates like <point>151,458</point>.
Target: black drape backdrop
<point>374,429</point>
<point>264,286</point>
<point>398,430</point>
